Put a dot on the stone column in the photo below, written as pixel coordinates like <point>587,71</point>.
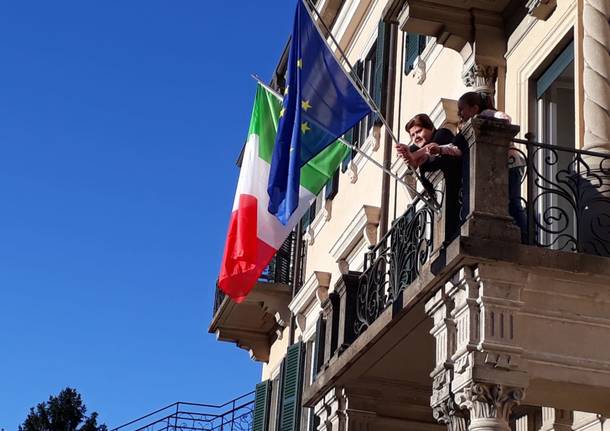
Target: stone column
<point>556,419</point>
<point>484,374</point>
<point>490,405</point>
<point>596,77</point>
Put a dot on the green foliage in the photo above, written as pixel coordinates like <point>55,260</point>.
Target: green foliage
<point>64,412</point>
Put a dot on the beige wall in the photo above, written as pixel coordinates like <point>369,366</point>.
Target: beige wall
<point>529,50</point>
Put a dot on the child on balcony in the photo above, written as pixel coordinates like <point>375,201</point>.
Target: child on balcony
<point>481,104</point>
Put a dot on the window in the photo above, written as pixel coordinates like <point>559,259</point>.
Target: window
<point>367,76</point>
<point>414,45</point>
<point>555,113</point>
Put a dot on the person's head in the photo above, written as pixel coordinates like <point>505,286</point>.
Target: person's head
<point>421,129</point>
<point>469,105</point>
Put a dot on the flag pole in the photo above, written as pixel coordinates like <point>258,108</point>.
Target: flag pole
<point>432,203</point>
<point>363,91</point>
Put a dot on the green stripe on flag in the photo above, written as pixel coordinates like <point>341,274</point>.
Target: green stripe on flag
<point>264,121</point>
<point>265,118</point>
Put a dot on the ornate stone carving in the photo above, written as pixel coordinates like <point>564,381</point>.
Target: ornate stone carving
<point>541,9</point>
<point>481,77</point>
<point>352,172</point>
<point>376,136</point>
<point>420,71</point>
<point>370,233</point>
<point>328,209</point>
<point>343,266</point>
<point>596,75</point>
<point>450,414</point>
<point>490,404</point>
<point>310,236</point>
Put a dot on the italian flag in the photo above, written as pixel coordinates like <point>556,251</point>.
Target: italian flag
<point>254,234</point>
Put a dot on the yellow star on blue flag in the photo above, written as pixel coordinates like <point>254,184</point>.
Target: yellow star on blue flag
<point>321,103</point>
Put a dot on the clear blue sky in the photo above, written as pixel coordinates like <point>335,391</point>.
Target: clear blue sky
<point>120,123</point>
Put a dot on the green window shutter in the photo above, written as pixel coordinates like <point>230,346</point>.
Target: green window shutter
<point>318,358</point>
<point>262,401</point>
<point>412,50</point>
<point>332,186</point>
<point>351,135</point>
<point>292,384</point>
<point>380,78</point>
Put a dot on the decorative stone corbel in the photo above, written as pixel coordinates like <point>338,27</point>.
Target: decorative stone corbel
<point>372,223</point>
<point>541,9</point>
<point>281,325</point>
<point>352,172</point>
<point>343,266</point>
<point>328,209</point>
<point>420,71</point>
<point>301,321</point>
<point>309,236</point>
<point>323,283</point>
<point>376,136</point>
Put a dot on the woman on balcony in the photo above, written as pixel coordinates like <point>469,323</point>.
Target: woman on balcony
<point>433,150</point>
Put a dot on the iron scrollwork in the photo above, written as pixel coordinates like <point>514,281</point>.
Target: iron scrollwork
<point>393,264</point>
<point>567,199</point>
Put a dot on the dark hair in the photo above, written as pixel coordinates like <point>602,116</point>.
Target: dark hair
<point>421,120</point>
<point>482,100</point>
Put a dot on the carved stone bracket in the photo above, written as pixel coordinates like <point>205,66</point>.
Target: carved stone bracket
<point>541,9</point>
<point>352,172</point>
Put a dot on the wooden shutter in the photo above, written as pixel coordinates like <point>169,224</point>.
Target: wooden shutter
<point>351,135</point>
<point>262,400</point>
<point>380,78</point>
<point>292,384</point>
<point>332,186</point>
<point>411,50</point>
<point>318,358</point>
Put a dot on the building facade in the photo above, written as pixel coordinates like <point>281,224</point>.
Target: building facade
<point>370,317</point>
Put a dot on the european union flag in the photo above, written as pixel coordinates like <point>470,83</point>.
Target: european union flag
<point>320,104</point>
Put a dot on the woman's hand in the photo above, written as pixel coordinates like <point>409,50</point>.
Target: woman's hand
<point>433,148</point>
<point>404,152</point>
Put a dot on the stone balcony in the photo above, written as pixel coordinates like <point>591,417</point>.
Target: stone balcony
<point>256,322</point>
<point>460,332</point>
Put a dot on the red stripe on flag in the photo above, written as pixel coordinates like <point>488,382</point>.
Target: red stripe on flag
<point>246,256</point>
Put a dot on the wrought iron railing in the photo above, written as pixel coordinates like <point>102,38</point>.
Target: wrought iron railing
<point>234,415</point>
<point>566,199</point>
<point>279,270</point>
<point>393,264</point>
